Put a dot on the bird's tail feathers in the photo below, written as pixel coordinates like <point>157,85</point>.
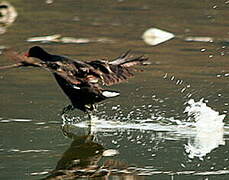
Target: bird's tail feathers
<point>110,93</point>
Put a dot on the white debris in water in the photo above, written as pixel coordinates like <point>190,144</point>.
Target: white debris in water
<point>75,40</point>
<point>50,38</point>
<point>8,13</point>
<point>154,36</point>
<point>199,39</point>
<point>209,129</point>
<point>57,38</point>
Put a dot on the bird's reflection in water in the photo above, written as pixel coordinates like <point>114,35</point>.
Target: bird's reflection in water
<point>82,153</point>
<point>81,160</point>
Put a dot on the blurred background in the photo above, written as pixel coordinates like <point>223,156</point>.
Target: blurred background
<point>171,120</point>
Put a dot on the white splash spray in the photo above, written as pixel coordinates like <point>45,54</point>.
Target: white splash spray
<point>204,130</point>
<point>209,129</point>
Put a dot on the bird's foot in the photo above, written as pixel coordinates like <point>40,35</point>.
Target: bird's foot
<point>65,118</point>
<point>64,115</point>
<point>67,109</point>
<point>95,108</point>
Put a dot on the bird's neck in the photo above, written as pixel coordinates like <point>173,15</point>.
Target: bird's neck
<point>45,56</point>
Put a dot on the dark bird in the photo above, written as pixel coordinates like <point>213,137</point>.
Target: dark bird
<point>79,80</point>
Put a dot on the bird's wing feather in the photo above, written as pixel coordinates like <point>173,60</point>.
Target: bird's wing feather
<point>128,60</point>
<point>118,70</point>
<point>76,72</point>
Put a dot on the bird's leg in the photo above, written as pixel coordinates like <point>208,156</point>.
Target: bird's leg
<point>65,129</point>
<point>89,113</point>
<point>66,110</point>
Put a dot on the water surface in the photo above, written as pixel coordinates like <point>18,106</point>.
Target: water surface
<point>146,124</point>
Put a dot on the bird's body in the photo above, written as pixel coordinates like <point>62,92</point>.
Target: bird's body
<point>82,96</point>
<point>81,81</point>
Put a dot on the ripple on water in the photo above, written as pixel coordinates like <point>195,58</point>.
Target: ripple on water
<point>29,150</point>
<point>14,120</point>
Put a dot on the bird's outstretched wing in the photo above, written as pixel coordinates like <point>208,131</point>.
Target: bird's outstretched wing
<point>119,69</point>
<point>77,72</point>
<point>107,72</point>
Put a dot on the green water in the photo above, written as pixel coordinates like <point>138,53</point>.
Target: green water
<point>36,145</point>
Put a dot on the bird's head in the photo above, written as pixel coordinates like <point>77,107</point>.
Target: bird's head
<point>37,52</point>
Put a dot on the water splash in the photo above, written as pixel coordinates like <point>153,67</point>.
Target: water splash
<point>209,129</point>
<point>154,123</point>
<point>204,127</point>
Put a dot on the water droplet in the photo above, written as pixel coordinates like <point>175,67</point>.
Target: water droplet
<point>203,50</point>
<point>210,56</point>
<point>165,76</point>
<point>182,90</point>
